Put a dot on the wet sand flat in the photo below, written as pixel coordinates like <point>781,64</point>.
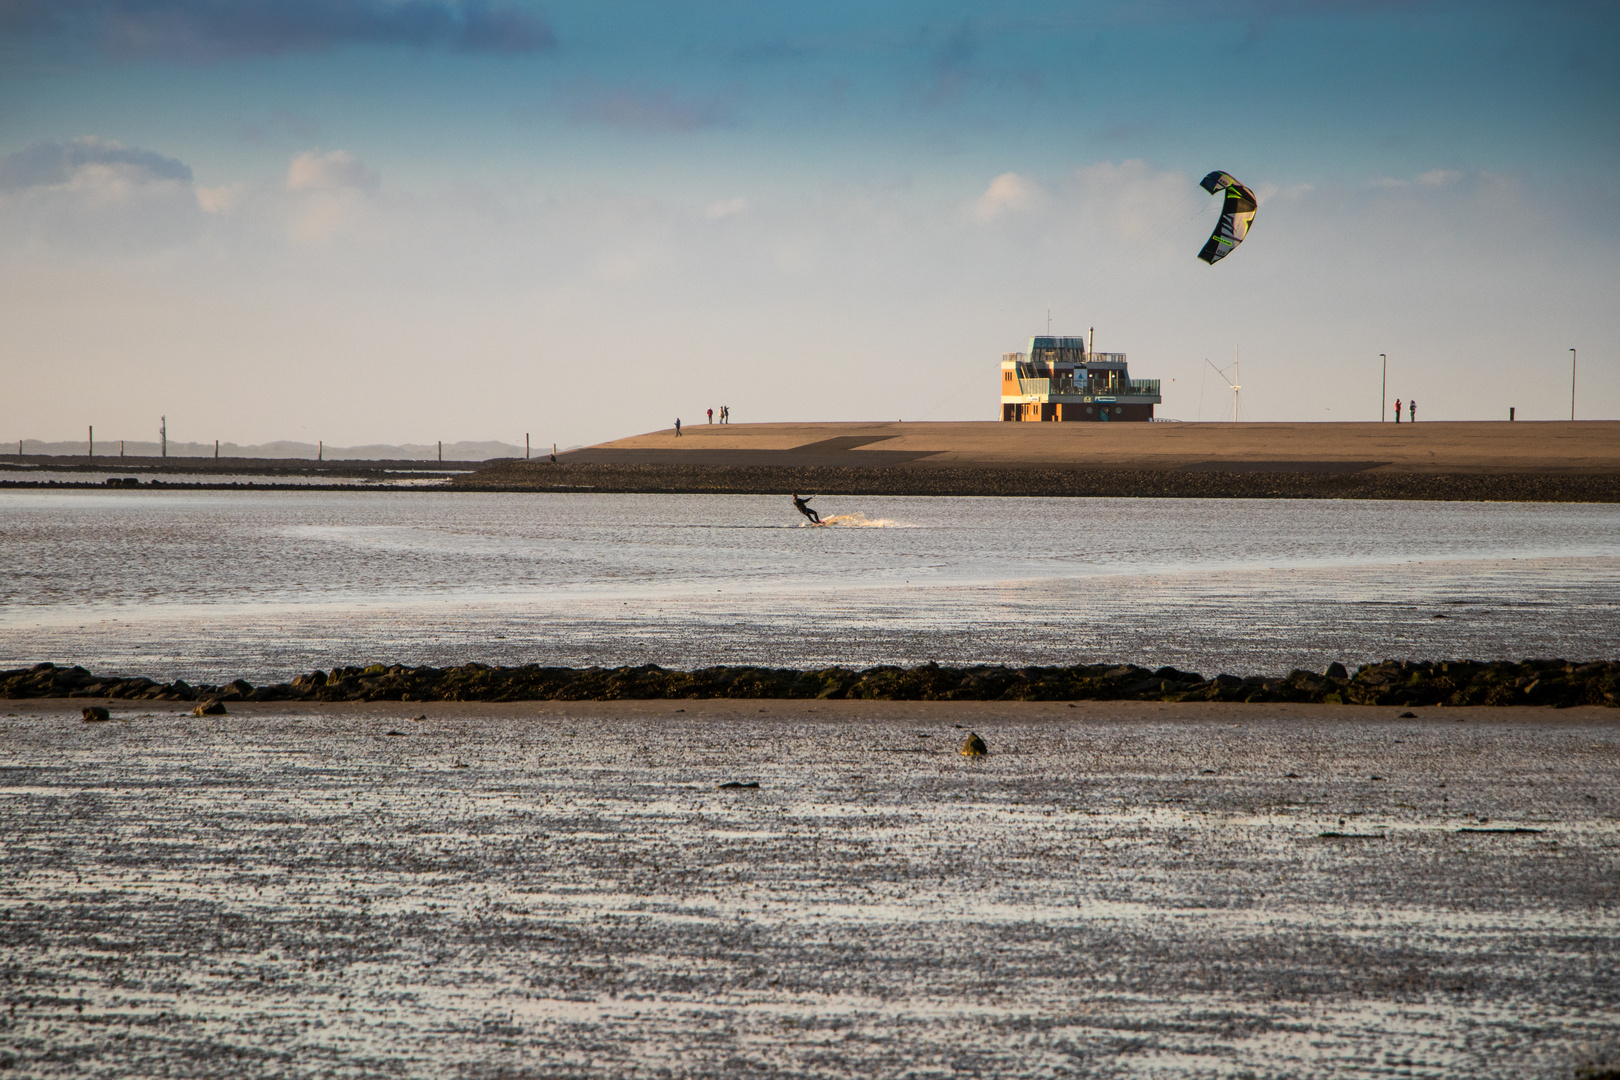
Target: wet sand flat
<point>563,889</point>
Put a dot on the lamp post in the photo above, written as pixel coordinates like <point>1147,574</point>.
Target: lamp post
<point>1572,358</point>
<point>1383,389</point>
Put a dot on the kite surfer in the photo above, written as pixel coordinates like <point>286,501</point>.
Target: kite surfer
<point>803,507</point>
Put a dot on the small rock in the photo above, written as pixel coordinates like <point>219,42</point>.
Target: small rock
<point>209,708</point>
<point>393,733</point>
<point>973,746</point>
<point>1407,716</point>
<point>96,713</point>
<point>1336,670</point>
<point>739,784</point>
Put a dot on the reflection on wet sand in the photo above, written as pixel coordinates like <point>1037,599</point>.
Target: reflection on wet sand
<point>1133,890</point>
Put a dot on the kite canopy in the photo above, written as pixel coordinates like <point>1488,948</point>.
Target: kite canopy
<point>1236,216</point>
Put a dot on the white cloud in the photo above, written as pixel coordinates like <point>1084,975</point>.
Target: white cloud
<point>220,200</point>
<point>91,192</point>
<point>333,170</point>
<point>1007,193</point>
<point>1439,177</point>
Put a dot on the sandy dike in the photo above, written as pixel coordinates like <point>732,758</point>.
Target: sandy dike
<point>562,889</point>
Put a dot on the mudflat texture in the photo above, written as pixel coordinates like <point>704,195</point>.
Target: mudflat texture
<point>1540,461</point>
<point>565,889</point>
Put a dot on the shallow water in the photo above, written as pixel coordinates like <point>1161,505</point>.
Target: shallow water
<point>292,895</point>
<point>212,585</point>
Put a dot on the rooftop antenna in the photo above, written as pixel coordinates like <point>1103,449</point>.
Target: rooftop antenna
<point>1091,346</point>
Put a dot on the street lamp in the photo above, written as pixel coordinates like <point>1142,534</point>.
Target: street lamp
<point>1383,389</point>
<point>1572,384</point>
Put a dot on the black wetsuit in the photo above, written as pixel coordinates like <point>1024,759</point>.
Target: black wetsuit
<point>803,507</point>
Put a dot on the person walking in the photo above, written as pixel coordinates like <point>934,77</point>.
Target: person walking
<point>1397,410</point>
<point>1411,411</point>
<point>725,414</point>
<point>711,416</point>
<point>677,427</point>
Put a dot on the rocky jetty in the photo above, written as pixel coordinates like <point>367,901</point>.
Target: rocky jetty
<point>1403,683</point>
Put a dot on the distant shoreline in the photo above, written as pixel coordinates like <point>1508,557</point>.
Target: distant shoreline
<point>585,479</point>
<point>1471,461</point>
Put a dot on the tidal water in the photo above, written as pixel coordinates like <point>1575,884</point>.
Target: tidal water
<point>209,584</point>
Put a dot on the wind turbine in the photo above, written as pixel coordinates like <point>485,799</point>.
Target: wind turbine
<point>1238,373</point>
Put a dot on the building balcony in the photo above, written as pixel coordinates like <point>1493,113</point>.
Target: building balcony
<point>1064,389</point>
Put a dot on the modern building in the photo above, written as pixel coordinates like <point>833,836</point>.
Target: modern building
<point>1060,378</point>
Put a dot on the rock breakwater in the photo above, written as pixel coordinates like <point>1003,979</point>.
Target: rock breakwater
<point>633,478</point>
<point>1557,683</point>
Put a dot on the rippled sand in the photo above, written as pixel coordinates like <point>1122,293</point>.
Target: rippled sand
<point>1117,890</point>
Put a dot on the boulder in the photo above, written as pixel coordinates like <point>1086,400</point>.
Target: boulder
<point>973,746</point>
<point>96,713</point>
<point>209,708</point>
<point>313,681</point>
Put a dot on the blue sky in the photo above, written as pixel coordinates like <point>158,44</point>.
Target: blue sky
<point>361,220</point>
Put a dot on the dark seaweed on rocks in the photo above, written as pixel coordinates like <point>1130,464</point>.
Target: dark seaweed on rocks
<point>1400,683</point>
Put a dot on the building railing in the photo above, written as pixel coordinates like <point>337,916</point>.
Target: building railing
<point>1122,388</point>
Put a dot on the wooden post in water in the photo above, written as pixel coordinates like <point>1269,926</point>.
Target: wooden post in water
<point>441,449</point>
<point>525,446</point>
<point>120,447</point>
<point>320,450</point>
<point>163,436</point>
<point>92,452</point>
<point>216,449</point>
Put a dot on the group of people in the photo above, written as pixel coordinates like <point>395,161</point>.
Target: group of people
<point>725,418</point>
<point>1411,411</point>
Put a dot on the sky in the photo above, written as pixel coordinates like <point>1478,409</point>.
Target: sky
<point>389,221</point>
